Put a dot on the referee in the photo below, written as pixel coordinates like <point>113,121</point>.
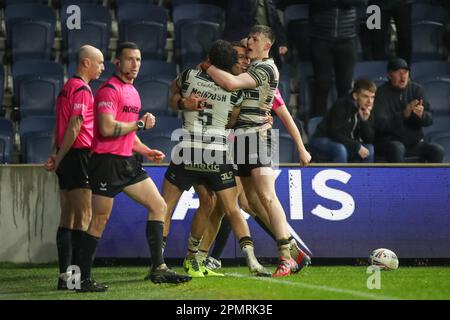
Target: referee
<point>71,144</point>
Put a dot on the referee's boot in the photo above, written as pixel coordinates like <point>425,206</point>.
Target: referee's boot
<point>90,285</point>
<point>165,275</point>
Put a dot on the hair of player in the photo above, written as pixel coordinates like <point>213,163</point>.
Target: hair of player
<point>222,55</point>
<point>125,45</point>
<point>238,44</point>
<point>265,30</point>
<point>364,84</point>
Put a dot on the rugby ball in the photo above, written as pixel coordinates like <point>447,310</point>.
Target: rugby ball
<point>384,259</point>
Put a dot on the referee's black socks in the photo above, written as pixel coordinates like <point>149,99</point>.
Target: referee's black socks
<point>87,254</point>
<point>154,234</point>
<point>64,246</point>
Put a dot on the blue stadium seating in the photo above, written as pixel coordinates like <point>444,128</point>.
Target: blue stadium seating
<point>437,91</point>
<point>287,151</point>
<point>2,85</point>
<point>440,124</point>
<point>30,30</point>
<point>158,141</point>
<point>165,125</point>
<point>427,69</point>
<point>158,68</point>
<point>6,140</point>
<point>443,139</point>
<point>297,30</point>
<point>284,85</point>
<point>306,95</point>
<point>35,138</point>
<point>36,85</point>
<point>120,3</point>
<point>195,39</point>
<point>196,26</point>
<point>96,30</point>
<point>428,41</point>
<point>430,12</point>
<point>312,125</point>
<point>154,94</point>
<point>146,25</point>
<point>38,147</point>
<point>373,70</point>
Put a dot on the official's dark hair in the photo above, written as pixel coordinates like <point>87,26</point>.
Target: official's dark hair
<point>222,55</point>
<point>265,30</point>
<point>364,84</point>
<point>125,45</point>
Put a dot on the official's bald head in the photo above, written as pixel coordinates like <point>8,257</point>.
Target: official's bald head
<point>90,62</point>
<point>88,52</point>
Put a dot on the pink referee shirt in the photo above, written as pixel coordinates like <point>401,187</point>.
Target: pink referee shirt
<point>122,101</point>
<point>75,99</point>
<point>277,100</point>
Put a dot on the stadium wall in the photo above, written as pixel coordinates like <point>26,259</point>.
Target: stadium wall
<point>29,214</point>
<point>336,212</point>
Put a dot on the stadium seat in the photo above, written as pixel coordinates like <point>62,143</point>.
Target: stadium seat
<point>6,140</point>
<point>195,39</point>
<point>96,29</point>
<point>284,85</point>
<point>443,139</point>
<point>38,147</point>
<point>10,2</point>
<point>312,125</point>
<point>196,26</point>
<point>159,141</point>
<point>2,86</point>
<point>167,124</point>
<point>120,3</point>
<point>306,95</point>
<point>36,85</point>
<point>373,70</point>
<point>440,124</point>
<point>32,126</point>
<point>437,91</point>
<point>158,68</point>
<point>430,12</point>
<point>287,151</point>
<point>30,30</point>
<point>198,11</point>
<point>428,41</point>
<point>146,25</point>
<point>154,94</point>
<point>427,69</point>
<point>297,30</point>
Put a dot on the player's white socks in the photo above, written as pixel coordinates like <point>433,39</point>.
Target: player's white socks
<point>193,245</point>
<point>250,257</point>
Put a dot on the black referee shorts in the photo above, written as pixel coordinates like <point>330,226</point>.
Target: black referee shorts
<point>109,174</point>
<point>73,170</point>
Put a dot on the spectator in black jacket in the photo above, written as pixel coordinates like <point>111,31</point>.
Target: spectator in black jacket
<point>333,48</point>
<point>242,15</point>
<point>401,111</point>
<point>347,131</point>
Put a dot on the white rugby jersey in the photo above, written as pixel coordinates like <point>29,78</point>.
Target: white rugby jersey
<point>257,102</point>
<point>207,127</point>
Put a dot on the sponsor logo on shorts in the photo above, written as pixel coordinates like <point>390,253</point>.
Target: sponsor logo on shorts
<point>103,186</point>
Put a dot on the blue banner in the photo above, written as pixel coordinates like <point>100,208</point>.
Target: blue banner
<point>342,212</point>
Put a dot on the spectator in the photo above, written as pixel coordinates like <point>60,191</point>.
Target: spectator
<point>333,47</point>
<point>400,11</point>
<point>242,15</point>
<point>347,131</point>
<point>401,111</point>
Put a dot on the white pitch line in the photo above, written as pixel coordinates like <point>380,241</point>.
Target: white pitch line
<point>317,287</point>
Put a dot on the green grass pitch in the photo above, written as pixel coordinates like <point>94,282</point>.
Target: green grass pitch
<point>19,282</point>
